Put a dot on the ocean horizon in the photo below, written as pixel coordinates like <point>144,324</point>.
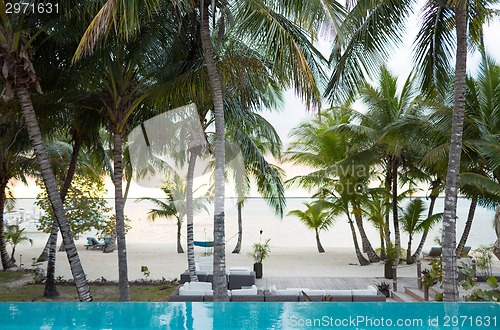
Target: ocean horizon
<point>286,232</point>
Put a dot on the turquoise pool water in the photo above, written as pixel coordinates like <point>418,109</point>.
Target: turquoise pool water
<point>249,316</point>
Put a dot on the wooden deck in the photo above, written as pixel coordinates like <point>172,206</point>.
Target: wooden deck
<point>335,283</point>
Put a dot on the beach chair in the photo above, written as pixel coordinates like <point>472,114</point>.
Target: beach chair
<point>434,252</point>
<point>93,243</point>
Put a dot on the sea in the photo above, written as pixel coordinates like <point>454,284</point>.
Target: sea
<point>261,223</point>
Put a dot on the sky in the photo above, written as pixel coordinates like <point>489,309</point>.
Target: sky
<point>294,111</point>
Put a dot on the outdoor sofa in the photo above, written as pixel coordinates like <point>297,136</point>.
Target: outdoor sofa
<point>202,291</point>
<point>297,294</point>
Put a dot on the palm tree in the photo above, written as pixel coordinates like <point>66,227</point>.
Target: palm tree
<point>369,34</point>
<point>19,77</point>
<point>174,207</point>
<point>412,222</point>
<point>481,123</point>
<point>260,23</point>
<point>15,236</point>
<point>376,207</point>
<point>324,150</point>
<point>256,138</point>
<point>375,137</point>
<point>317,216</point>
<point>14,163</point>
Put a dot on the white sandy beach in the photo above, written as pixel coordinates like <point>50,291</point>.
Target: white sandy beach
<point>164,262</point>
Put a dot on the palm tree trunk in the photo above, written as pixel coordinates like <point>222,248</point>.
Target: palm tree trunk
<point>220,281</point>
<point>361,259</point>
<point>367,246</point>
<point>237,248</point>
<point>49,180</point>
<point>388,184</point>
<point>6,262</point>
<point>450,287</point>
<point>409,259</point>
<point>395,217</point>
<point>417,253</point>
<point>179,229</point>
<point>120,218</point>
<point>111,246</point>
<point>318,242</point>
<point>189,216</point>
<point>468,225</point>
<point>50,290</point>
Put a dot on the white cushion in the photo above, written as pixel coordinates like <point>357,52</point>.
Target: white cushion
<point>272,289</point>
<point>315,292</point>
<point>208,260</point>
<point>291,291</point>
<point>245,292</point>
<point>338,292</point>
<point>239,272</point>
<point>199,286</point>
<point>245,269</point>
<point>202,272</point>
<point>206,266</point>
<point>369,291</point>
<point>191,292</point>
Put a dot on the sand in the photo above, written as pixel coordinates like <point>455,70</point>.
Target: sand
<point>163,261</point>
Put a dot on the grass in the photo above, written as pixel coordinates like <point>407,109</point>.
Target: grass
<point>18,286</point>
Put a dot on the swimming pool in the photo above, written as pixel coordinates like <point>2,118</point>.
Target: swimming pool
<point>249,315</point>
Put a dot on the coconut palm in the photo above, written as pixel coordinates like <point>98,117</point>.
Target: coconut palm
<point>14,163</point>
<point>412,222</point>
<point>365,35</point>
<point>317,216</point>
<point>15,236</point>
<point>256,138</point>
<point>482,123</point>
<point>324,150</point>
<point>375,138</point>
<point>173,207</point>
<point>18,78</point>
<point>256,22</point>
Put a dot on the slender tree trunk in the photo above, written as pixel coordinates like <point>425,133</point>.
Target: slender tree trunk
<point>35,135</point>
<point>111,246</point>
<point>237,248</point>
<point>220,281</point>
<point>409,259</point>
<point>120,218</point>
<point>361,259</point>
<point>179,229</point>
<point>450,287</point>
<point>12,259</point>
<point>50,290</point>
<point>395,216</point>
<point>468,225</point>
<point>367,246</point>
<point>382,244</point>
<point>416,255</point>
<point>388,184</point>
<point>189,215</point>
<point>6,261</point>
<point>318,242</point>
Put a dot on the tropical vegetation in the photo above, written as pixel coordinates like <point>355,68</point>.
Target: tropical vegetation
<point>75,86</point>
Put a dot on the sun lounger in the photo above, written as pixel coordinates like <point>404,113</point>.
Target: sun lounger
<point>434,252</point>
<point>93,243</point>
